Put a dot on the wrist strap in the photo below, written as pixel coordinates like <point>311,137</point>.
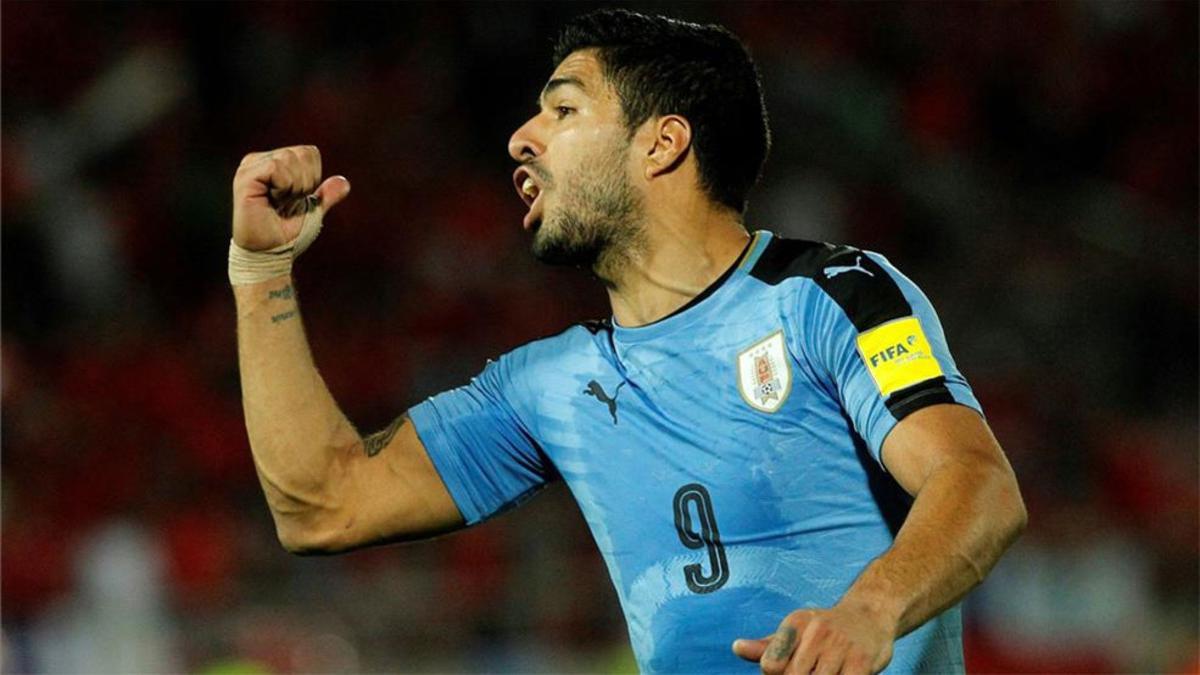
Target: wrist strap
<point>251,267</point>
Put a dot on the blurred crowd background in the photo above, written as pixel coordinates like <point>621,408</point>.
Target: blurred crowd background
<point>1032,165</point>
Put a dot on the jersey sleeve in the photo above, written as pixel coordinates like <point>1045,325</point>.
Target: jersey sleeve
<point>479,445</point>
<point>878,340</point>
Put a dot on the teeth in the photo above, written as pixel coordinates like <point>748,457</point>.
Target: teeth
<point>529,187</point>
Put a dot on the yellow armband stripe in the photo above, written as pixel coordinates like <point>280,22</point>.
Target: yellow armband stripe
<point>898,355</point>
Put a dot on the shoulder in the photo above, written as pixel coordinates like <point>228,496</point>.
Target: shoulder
<point>580,335</point>
<point>784,259</point>
<point>559,350</point>
<point>863,284</point>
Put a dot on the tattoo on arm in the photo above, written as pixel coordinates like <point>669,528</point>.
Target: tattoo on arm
<point>285,293</point>
<point>783,646</point>
<point>377,441</point>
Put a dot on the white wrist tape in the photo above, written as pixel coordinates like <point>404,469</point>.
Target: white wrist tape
<point>251,267</point>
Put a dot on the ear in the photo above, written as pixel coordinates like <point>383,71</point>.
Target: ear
<point>672,139</point>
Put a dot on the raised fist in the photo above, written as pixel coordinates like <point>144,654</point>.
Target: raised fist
<point>274,190</point>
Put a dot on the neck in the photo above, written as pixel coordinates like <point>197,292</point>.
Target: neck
<point>680,254</point>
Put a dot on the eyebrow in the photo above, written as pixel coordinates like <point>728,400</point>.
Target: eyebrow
<point>557,82</point>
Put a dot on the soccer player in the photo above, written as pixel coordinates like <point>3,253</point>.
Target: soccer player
<point>769,439</point>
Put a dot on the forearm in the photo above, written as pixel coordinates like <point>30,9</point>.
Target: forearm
<point>965,516</point>
<point>299,437</point>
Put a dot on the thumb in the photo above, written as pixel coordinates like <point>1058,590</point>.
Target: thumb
<point>751,650</point>
<point>328,194</point>
<point>332,191</point>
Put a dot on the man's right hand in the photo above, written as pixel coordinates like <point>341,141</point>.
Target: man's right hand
<point>272,192</point>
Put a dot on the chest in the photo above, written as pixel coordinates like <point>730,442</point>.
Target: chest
<point>733,410</point>
<point>741,385</point>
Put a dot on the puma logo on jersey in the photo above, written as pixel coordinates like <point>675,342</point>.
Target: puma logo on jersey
<point>834,270</point>
<point>595,390</point>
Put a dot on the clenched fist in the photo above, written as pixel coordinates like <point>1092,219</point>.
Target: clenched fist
<point>274,192</point>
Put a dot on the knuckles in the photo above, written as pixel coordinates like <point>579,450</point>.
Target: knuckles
<point>822,635</point>
<point>298,164</point>
<point>825,634</point>
<point>800,618</point>
<point>303,154</point>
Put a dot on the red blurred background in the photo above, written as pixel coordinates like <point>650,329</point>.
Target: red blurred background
<point>1033,166</point>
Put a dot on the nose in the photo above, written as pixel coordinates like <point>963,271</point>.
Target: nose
<point>524,144</point>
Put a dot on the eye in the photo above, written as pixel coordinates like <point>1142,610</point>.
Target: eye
<point>562,111</point>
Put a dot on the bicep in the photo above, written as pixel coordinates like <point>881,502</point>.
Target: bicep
<point>394,492</point>
<point>932,437</point>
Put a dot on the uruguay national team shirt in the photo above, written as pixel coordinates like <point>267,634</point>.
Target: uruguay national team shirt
<point>726,458</point>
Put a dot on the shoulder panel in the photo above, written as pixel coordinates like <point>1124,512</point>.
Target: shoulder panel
<point>859,285</point>
<point>866,292</point>
<point>786,258</point>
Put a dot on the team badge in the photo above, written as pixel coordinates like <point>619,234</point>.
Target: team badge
<point>764,373</point>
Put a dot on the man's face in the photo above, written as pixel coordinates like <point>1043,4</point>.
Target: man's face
<point>575,167</point>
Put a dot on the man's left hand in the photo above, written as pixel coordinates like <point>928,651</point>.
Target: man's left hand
<point>822,641</point>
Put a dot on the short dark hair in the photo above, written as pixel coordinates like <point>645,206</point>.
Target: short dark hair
<point>661,66</point>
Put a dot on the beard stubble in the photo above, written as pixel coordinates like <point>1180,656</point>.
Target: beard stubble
<point>598,225</point>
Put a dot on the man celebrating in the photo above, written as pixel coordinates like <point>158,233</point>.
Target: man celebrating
<point>768,438</point>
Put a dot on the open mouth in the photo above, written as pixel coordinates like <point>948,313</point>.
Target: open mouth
<point>527,185</point>
<point>529,189</point>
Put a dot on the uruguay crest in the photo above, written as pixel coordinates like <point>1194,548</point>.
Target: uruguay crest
<point>764,373</point>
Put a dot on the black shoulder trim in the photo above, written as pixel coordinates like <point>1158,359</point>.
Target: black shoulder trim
<point>858,284</point>
<point>786,258</point>
<point>911,399</point>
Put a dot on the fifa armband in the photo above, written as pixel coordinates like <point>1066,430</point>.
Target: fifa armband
<point>251,267</point>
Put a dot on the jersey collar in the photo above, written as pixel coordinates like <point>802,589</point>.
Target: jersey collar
<point>699,305</point>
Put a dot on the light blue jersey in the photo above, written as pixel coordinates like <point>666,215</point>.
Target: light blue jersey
<point>726,457</point>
